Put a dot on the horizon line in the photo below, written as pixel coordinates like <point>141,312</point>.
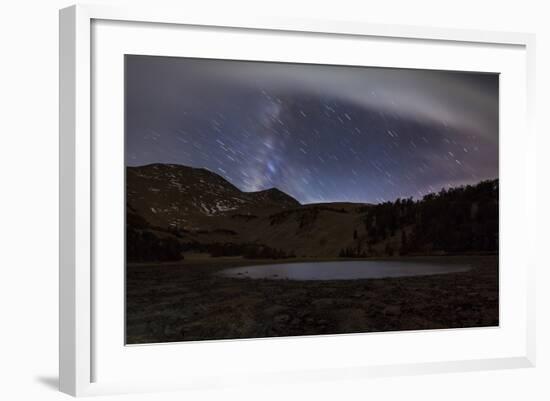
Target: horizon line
<point>314,202</point>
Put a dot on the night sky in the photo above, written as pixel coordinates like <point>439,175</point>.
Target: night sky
<point>319,133</point>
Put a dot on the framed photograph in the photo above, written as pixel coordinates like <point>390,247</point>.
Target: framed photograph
<point>267,200</point>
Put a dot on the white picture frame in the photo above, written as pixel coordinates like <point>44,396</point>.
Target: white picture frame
<point>79,345</point>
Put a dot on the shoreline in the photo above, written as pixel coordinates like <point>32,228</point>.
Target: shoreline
<point>190,302</point>
<point>232,260</point>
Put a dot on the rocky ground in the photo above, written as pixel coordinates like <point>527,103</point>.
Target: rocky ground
<point>188,301</point>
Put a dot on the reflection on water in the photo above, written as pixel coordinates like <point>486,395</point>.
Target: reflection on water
<point>342,270</point>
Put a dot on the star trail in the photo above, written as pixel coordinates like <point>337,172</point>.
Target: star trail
<point>319,133</point>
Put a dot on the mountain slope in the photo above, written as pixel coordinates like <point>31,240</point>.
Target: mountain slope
<point>203,212</point>
<point>201,208</point>
<point>169,195</point>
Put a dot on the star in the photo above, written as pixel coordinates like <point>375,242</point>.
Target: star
<point>330,133</point>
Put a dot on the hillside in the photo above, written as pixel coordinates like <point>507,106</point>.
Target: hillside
<point>173,209</point>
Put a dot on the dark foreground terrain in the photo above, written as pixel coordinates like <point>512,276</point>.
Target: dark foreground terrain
<point>188,301</point>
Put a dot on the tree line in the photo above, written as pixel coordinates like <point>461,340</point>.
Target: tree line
<point>455,220</point>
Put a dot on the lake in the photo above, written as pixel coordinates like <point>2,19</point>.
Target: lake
<point>342,270</point>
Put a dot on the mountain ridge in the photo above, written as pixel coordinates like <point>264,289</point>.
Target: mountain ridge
<point>203,212</point>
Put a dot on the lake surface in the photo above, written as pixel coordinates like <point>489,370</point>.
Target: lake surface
<point>342,270</point>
